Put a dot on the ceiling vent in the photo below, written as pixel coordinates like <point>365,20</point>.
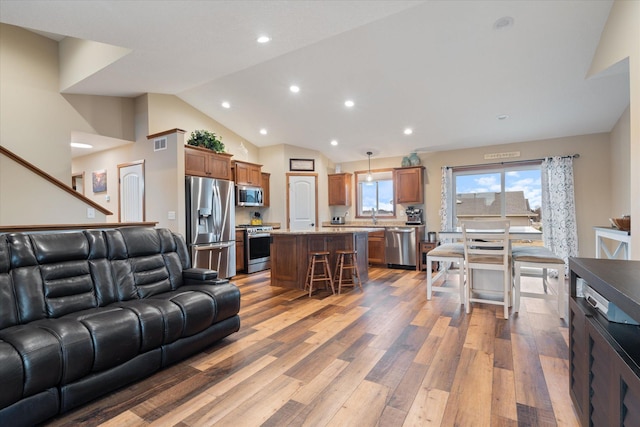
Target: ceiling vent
<point>159,144</point>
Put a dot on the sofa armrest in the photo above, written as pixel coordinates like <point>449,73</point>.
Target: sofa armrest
<point>201,276</point>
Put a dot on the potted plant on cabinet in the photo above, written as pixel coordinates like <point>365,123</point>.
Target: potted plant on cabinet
<point>206,139</point>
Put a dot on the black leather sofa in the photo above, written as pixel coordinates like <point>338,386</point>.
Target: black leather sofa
<point>83,313</point>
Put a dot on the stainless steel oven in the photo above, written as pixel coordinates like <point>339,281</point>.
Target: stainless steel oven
<point>257,248</point>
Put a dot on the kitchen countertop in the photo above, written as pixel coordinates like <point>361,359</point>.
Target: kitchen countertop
<point>326,230</point>
<point>370,224</point>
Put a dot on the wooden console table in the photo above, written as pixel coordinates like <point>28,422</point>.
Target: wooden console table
<point>604,356</point>
<point>622,237</point>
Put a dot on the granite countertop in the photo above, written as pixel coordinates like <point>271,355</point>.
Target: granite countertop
<point>326,230</point>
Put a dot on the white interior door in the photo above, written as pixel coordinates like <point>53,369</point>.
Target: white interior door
<point>131,192</point>
<point>302,202</point>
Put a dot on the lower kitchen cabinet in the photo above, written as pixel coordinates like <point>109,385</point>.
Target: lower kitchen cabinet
<point>376,247</point>
<point>604,356</point>
<point>240,251</point>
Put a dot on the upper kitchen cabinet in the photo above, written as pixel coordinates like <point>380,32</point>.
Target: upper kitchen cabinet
<point>203,162</point>
<point>266,197</point>
<point>248,173</point>
<point>409,183</point>
<point>339,189</point>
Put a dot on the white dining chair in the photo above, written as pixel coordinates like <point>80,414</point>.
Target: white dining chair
<point>487,247</point>
<point>538,259</point>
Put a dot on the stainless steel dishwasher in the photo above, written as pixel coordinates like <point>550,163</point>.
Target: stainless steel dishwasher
<point>400,246</point>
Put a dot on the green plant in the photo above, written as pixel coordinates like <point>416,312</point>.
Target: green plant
<point>206,139</point>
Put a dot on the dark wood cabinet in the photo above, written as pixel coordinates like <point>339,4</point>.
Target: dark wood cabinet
<point>339,189</point>
<point>202,162</point>
<point>266,195</point>
<point>376,247</point>
<point>425,247</point>
<point>604,356</point>
<point>409,185</point>
<point>240,251</point>
<point>248,173</point>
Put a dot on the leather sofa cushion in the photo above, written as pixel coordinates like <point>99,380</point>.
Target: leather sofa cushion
<point>115,333</point>
<point>198,309</point>
<point>200,274</point>
<point>226,297</point>
<point>40,354</point>
<point>11,375</point>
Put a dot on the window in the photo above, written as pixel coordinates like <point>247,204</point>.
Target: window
<point>513,192</point>
<point>376,194</point>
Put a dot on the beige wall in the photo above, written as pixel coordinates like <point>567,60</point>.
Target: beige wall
<point>620,41</point>
<point>620,167</point>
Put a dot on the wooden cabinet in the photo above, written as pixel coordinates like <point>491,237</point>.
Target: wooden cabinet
<point>202,162</point>
<point>340,189</point>
<point>376,247</point>
<point>409,185</point>
<point>248,173</point>
<point>425,247</point>
<point>266,195</point>
<point>604,356</point>
<point>240,251</point>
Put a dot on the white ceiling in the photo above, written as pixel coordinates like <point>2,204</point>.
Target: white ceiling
<point>438,67</point>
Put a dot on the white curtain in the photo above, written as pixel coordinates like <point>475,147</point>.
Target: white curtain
<point>446,208</point>
<point>559,208</point>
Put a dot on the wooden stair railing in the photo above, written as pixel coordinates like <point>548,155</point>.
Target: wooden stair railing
<point>52,180</point>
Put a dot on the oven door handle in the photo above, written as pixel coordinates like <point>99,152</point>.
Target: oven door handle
<point>256,235</point>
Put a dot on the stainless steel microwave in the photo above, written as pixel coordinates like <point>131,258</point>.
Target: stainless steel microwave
<point>249,196</point>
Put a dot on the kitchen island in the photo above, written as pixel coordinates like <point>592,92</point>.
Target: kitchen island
<point>290,252</point>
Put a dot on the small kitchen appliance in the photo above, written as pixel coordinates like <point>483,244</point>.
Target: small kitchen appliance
<point>414,215</point>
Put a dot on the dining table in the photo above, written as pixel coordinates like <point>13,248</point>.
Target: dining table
<point>486,279</point>
<point>516,232</point>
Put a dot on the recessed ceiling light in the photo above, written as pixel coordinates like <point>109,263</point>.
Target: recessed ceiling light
<point>294,88</point>
<point>408,131</point>
<point>349,103</point>
<point>503,116</point>
<point>80,145</point>
<point>503,23</point>
<point>264,39</point>
<point>263,131</point>
<point>334,142</point>
<point>225,104</point>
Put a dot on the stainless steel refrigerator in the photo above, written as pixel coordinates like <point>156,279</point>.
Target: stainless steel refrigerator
<point>211,223</point>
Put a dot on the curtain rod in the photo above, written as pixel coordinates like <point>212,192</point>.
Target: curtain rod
<point>515,162</point>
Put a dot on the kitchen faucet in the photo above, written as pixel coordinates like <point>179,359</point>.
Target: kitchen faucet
<point>373,216</point>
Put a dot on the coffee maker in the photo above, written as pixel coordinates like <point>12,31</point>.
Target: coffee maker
<point>414,215</point>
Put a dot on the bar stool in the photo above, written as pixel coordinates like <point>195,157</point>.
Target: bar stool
<point>342,265</point>
<point>321,258</point>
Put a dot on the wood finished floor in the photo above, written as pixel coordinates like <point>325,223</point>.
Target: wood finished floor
<point>382,357</point>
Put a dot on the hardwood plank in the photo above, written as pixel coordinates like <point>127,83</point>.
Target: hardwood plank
<point>470,399</point>
<point>365,404</point>
<point>531,388</point>
<point>405,393</point>
<point>428,408</point>
<point>328,402</point>
<point>556,372</point>
<point>503,402</point>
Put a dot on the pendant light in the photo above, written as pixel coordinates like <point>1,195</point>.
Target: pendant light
<point>369,176</point>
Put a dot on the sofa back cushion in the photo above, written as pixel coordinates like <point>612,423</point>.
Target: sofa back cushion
<point>144,261</point>
<point>8,307</point>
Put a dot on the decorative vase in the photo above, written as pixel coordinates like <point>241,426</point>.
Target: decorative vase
<point>414,160</point>
<point>405,162</point>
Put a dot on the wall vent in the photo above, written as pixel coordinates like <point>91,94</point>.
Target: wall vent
<point>159,144</point>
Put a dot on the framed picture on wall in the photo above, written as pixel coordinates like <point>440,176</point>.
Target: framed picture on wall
<point>99,180</point>
<point>307,165</point>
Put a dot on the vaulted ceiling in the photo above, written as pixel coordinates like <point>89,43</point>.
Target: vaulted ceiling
<point>448,70</point>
